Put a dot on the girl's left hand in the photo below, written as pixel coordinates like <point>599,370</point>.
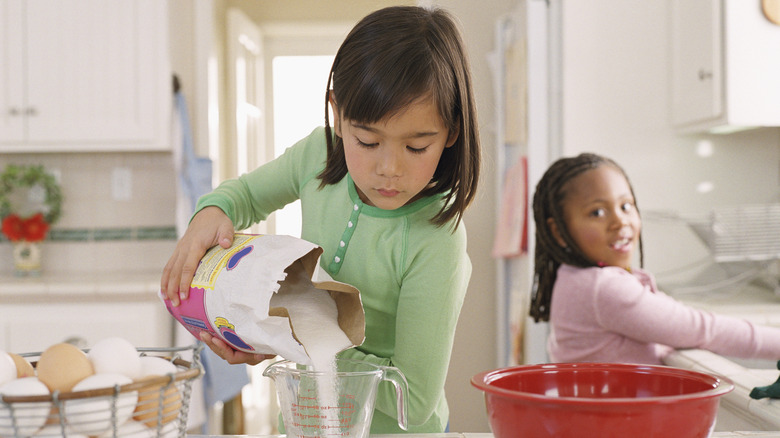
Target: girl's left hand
<point>232,356</point>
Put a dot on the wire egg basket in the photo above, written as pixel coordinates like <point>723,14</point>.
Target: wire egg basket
<point>156,406</point>
<point>742,233</point>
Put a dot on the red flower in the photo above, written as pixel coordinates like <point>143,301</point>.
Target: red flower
<point>32,229</point>
<point>35,228</point>
<point>13,227</point>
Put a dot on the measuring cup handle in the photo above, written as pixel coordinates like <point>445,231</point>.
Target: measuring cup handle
<point>397,378</point>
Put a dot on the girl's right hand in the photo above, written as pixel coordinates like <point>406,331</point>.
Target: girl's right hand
<point>209,227</point>
<point>230,355</point>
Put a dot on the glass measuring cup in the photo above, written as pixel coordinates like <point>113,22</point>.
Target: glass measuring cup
<point>326,404</point>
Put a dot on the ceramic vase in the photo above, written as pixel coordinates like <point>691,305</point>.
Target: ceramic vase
<point>27,258</point>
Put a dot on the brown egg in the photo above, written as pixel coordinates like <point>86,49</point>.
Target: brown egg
<point>23,367</point>
<point>61,366</point>
<point>148,405</point>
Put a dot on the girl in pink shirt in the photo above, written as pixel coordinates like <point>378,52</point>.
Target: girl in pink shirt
<point>601,309</point>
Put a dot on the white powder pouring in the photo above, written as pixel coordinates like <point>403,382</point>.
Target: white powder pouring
<point>314,319</point>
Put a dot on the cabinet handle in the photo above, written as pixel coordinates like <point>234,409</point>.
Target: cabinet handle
<point>704,75</point>
<point>14,111</point>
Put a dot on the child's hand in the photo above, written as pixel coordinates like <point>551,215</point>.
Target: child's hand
<point>230,355</point>
<point>209,227</point>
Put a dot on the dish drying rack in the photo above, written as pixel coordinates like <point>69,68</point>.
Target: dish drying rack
<point>745,233</point>
<point>162,404</point>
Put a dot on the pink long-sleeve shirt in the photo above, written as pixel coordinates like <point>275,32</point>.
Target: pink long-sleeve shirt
<point>612,315</point>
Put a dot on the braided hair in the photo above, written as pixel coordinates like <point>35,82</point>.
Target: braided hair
<point>548,204</point>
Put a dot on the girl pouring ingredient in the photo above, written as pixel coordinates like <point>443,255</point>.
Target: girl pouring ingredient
<point>382,191</point>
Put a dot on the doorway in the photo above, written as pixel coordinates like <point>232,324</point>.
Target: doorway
<point>299,83</point>
<point>297,59</point>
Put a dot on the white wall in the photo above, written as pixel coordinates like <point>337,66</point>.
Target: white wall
<point>88,204</point>
<point>616,102</point>
<point>475,339</point>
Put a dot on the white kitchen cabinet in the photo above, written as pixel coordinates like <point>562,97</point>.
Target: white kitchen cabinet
<point>724,66</point>
<point>84,75</point>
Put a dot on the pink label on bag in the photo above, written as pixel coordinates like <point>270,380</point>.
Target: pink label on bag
<point>191,313</point>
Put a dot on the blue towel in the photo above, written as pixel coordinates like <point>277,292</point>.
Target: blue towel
<point>195,171</point>
<point>222,381</point>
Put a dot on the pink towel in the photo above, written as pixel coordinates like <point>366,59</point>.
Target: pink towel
<point>512,229</point>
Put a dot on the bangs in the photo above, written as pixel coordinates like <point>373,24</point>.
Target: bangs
<point>379,97</point>
<point>373,84</point>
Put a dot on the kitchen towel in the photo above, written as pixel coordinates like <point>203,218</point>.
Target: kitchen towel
<point>194,172</point>
<point>511,238</point>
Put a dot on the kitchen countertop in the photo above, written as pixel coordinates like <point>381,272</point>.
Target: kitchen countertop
<point>490,435</point>
<point>752,302</point>
<point>764,413</point>
<point>37,312</point>
<point>80,286</point>
<point>774,434</point>
<point>417,435</point>
<point>756,303</point>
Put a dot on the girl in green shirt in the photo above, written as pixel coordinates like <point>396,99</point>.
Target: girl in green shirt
<point>382,191</point>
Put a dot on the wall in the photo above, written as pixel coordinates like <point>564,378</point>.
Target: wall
<point>98,233</point>
<point>475,339</point>
<point>312,10</point>
<point>616,102</point>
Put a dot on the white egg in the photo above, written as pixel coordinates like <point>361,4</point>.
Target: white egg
<point>115,355</point>
<point>156,366</point>
<point>7,367</point>
<point>131,429</point>
<point>92,416</point>
<point>170,430</point>
<point>29,416</point>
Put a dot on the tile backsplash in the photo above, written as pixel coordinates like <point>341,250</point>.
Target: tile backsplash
<point>106,225</point>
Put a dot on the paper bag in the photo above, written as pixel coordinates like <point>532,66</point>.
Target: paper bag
<point>230,295</point>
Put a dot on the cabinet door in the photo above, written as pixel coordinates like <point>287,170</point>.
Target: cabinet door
<point>92,73</point>
<point>11,92</point>
<point>697,92</point>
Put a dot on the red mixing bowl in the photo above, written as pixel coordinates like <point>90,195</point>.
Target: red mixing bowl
<point>600,400</point>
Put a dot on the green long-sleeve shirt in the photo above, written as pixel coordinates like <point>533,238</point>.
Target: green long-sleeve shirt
<point>412,275</point>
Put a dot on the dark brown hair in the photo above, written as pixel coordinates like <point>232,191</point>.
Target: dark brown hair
<point>548,204</point>
<point>391,58</point>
